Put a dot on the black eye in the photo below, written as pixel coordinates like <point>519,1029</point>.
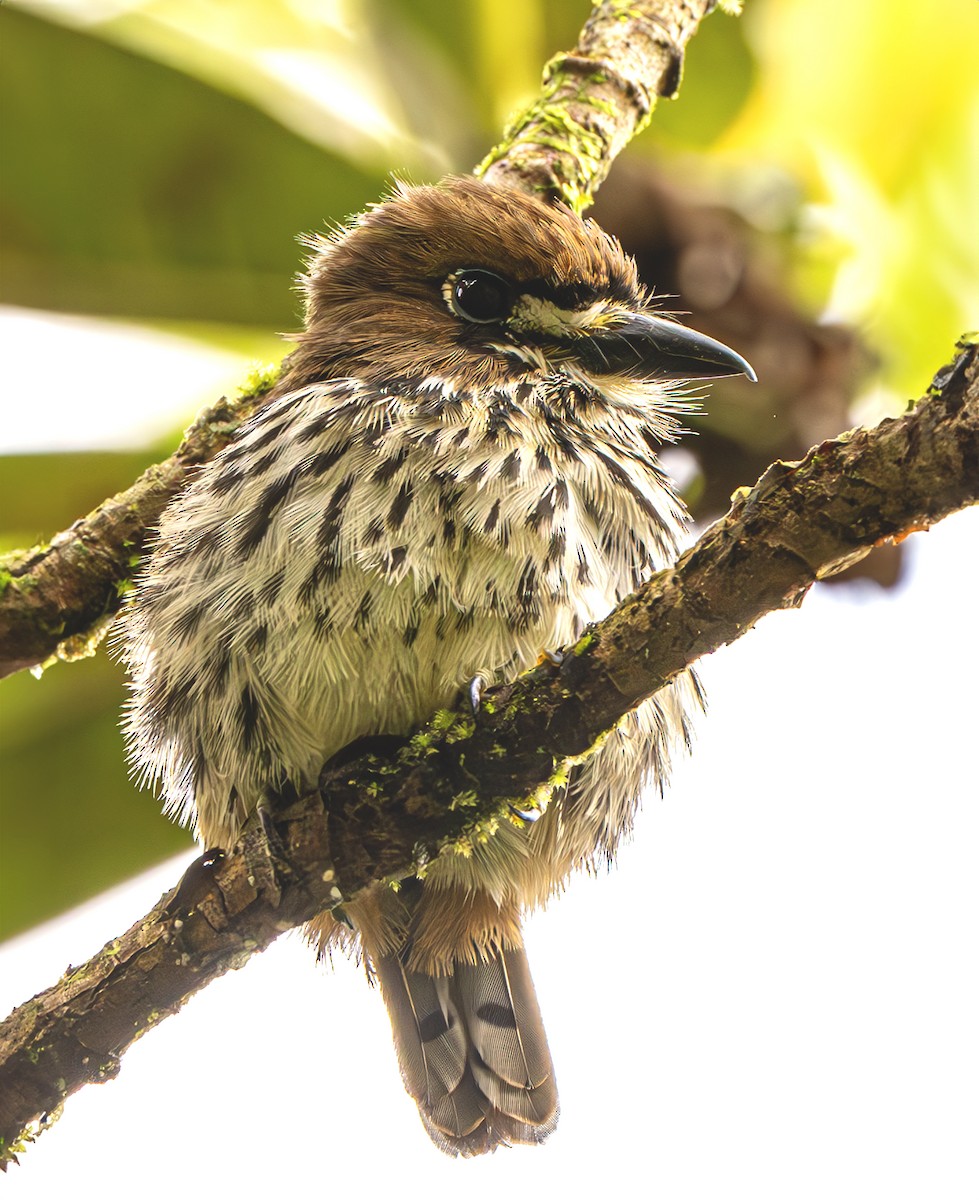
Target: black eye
<point>479,296</point>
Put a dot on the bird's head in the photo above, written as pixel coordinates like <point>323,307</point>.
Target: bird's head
<point>478,284</point>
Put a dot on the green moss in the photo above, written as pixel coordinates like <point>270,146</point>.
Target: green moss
<point>464,799</point>
<point>86,643</point>
<point>421,743</point>
<point>605,106</point>
<point>260,379</point>
<point>584,644</point>
<point>23,583</point>
<point>442,720</point>
<point>583,151</point>
<point>447,726</point>
<point>10,1150</point>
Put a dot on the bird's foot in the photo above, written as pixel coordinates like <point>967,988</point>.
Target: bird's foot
<point>195,882</point>
<point>265,853</point>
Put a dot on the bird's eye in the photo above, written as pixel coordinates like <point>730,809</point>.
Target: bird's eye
<point>479,296</point>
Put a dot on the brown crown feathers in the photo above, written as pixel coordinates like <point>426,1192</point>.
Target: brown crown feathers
<point>374,305</point>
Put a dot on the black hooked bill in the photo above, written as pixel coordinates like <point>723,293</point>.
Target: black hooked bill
<point>642,344</point>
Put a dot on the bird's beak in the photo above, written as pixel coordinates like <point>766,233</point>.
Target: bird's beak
<point>650,347</point>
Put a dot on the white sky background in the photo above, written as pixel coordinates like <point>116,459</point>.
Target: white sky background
<point>774,994</point>
<point>100,410</point>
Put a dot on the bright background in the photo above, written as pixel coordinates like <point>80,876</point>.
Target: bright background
<point>775,991</point>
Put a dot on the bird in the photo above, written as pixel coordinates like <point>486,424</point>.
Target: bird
<point>456,473</point>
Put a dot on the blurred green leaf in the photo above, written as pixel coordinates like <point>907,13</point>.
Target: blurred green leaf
<point>72,822</point>
<point>132,188</point>
<point>718,75</point>
<point>41,494</point>
<point>878,127</point>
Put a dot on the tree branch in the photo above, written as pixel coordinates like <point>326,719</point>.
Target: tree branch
<point>58,599</point>
<point>452,783</point>
<point>595,99</point>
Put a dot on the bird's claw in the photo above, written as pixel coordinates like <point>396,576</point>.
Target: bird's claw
<point>477,685</point>
<point>274,848</point>
<point>526,815</point>
<point>265,854</point>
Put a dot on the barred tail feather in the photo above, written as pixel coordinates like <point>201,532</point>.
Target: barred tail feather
<point>473,1051</point>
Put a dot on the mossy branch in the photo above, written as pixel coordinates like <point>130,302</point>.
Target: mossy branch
<point>595,99</point>
<point>387,815</point>
<point>58,599</point>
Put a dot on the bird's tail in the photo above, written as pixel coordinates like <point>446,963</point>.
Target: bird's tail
<point>472,1050</point>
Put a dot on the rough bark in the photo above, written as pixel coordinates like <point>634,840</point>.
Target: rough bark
<point>382,816</point>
